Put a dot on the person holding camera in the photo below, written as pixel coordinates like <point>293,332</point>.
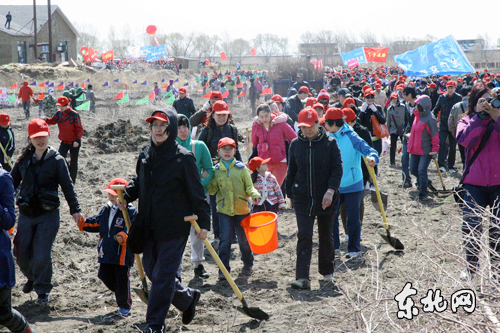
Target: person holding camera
<point>479,133</point>
<point>39,171</point>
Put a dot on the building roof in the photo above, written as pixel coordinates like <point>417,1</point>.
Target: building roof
<point>22,19</point>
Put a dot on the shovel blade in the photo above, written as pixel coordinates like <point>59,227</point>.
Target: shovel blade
<point>253,312</point>
<point>143,295</point>
<point>393,241</point>
<point>375,200</point>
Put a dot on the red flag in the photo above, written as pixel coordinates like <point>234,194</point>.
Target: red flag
<point>14,85</point>
<point>207,95</point>
<point>1,91</point>
<point>83,85</point>
<point>253,53</point>
<point>61,86</point>
<point>376,54</point>
<point>242,94</point>
<point>107,56</point>
<point>267,91</point>
<point>120,96</point>
<point>165,86</point>
<point>225,94</point>
<point>42,85</point>
<point>240,85</point>
<point>152,95</point>
<point>206,85</point>
<point>223,56</point>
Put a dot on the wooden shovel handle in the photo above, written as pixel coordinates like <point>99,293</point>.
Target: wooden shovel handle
<point>379,198</point>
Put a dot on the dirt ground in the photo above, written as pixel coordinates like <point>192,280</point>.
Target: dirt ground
<point>362,298</point>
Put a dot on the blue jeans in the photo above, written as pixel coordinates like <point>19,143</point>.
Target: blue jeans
<point>228,224</point>
<point>161,261</point>
<point>353,223</point>
<point>445,150</point>
<point>33,248</point>
<point>418,167</point>
<point>481,196</point>
<point>405,163</point>
<point>215,216</point>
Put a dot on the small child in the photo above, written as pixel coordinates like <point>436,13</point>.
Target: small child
<point>39,101</point>
<point>233,186</point>
<point>267,185</point>
<point>114,257</point>
<point>7,141</point>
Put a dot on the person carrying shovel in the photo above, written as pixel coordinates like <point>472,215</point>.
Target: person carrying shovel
<point>168,187</point>
<point>115,259</point>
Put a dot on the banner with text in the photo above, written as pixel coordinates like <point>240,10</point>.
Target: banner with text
<point>358,54</point>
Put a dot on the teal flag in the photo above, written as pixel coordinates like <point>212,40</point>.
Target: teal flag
<point>145,100</point>
<point>168,94</point>
<point>170,100</point>
<point>83,107</point>
<point>11,99</point>
<point>125,99</point>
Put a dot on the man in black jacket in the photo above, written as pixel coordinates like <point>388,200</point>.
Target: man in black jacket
<point>443,107</point>
<point>312,184</point>
<point>168,187</point>
<point>184,104</point>
<point>294,105</point>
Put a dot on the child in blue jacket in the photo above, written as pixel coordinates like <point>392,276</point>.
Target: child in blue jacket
<point>114,257</point>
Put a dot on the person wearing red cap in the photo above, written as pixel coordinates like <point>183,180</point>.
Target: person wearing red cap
<point>324,99</point>
<point>320,109</point>
<point>267,185</point>
<point>200,117</point>
<point>7,141</point>
<point>269,139</point>
<point>380,96</point>
<point>232,186</point>
<point>447,141</point>
<point>26,95</point>
<point>310,101</point>
<point>294,104</point>
<point>114,257</point>
<point>183,104</point>
<point>70,133</point>
<point>312,184</point>
<point>369,109</point>
<point>229,84</point>
<point>352,148</point>
<point>395,124</point>
<point>169,188</point>
<point>39,171</point>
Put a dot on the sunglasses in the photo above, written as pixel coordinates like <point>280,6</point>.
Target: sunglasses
<point>370,97</point>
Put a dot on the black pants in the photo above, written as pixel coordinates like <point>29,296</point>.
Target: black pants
<point>73,165</point>
<point>447,150</point>
<point>7,24</point>
<point>116,278</point>
<point>394,146</point>
<point>9,317</point>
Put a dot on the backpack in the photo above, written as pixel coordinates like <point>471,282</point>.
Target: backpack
<point>233,130</point>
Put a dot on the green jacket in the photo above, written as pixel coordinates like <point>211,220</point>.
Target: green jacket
<point>233,187</point>
<point>201,154</point>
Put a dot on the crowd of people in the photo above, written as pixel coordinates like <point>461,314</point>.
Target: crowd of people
<point>313,150</point>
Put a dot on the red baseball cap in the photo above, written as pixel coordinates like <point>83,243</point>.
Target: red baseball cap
<point>216,95</point>
<point>334,113</point>
<point>369,92</point>
<point>323,94</point>
<point>378,86</point>
<point>4,119</point>
<point>451,84</point>
<point>256,162</point>
<point>432,85</point>
<point>221,107</point>
<point>115,181</point>
<point>277,98</point>
<point>318,105</point>
<point>311,101</point>
<point>182,90</point>
<point>307,117</point>
<point>160,115</point>
<point>394,95</point>
<point>460,79</point>
<point>365,87</point>
<point>226,142</point>
<point>348,101</point>
<point>62,101</point>
<point>349,114</point>
<point>304,89</point>
<point>38,127</point>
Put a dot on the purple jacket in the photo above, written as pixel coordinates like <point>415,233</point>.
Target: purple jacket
<point>484,171</point>
<point>272,143</point>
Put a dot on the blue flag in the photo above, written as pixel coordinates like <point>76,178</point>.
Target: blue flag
<point>176,80</point>
<point>354,54</point>
<point>156,53</point>
<point>76,85</point>
<point>106,84</point>
<point>117,80</point>
<point>134,82</point>
<point>88,80</point>
<point>163,80</point>
<point>47,83</point>
<point>33,83</point>
<point>51,85</point>
<point>71,84</point>
<point>186,84</point>
<point>443,57</point>
<point>145,83</point>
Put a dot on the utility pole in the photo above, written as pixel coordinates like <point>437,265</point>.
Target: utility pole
<point>50,31</point>
<point>34,22</point>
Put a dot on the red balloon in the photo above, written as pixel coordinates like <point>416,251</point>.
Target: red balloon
<point>151,29</point>
<point>83,50</point>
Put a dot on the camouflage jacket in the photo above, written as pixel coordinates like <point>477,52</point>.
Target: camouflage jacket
<point>49,105</point>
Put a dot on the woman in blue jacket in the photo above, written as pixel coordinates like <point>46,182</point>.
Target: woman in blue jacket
<point>9,317</point>
<point>352,147</point>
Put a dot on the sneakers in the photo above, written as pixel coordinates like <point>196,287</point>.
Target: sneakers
<point>353,255</point>
<point>123,312</point>
<point>28,286</point>
<point>215,244</point>
<point>405,185</point>
<point>188,315</point>
<point>43,298</point>
<point>452,170</point>
<point>328,278</point>
<point>465,276</point>
<point>346,239</point>
<point>247,270</point>
<point>222,277</point>
<point>442,169</point>
<point>201,273</point>
<point>337,253</point>
<point>301,284</point>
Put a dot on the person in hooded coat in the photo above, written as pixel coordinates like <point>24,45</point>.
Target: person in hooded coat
<point>169,188</point>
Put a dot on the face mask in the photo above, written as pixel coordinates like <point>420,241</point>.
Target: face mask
<point>51,93</point>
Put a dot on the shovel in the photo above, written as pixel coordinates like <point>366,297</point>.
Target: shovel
<point>375,204</point>
<point>444,190</point>
<point>143,292</point>
<point>251,312</point>
<point>394,242</point>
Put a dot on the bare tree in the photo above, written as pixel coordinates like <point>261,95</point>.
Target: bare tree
<point>215,42</point>
<point>119,41</point>
<point>267,44</point>
<point>89,36</point>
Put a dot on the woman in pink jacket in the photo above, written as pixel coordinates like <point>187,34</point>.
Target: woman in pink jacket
<point>269,137</point>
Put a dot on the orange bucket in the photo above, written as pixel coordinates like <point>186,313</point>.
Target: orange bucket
<point>261,231</point>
